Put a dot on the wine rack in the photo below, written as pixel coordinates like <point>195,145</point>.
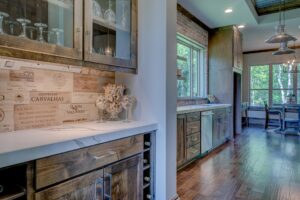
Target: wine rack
<point>148,166</point>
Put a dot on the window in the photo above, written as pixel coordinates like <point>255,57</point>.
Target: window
<point>191,63</point>
<point>270,84</point>
<point>259,85</point>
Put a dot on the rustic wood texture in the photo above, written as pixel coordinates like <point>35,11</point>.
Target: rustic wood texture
<point>193,151</point>
<point>103,59</point>
<point>89,187</point>
<point>34,15</point>
<point>125,178</point>
<point>63,166</point>
<point>195,116</point>
<point>192,139</point>
<point>256,166</point>
<point>181,139</point>
<point>30,181</point>
<point>36,98</point>
<point>193,127</point>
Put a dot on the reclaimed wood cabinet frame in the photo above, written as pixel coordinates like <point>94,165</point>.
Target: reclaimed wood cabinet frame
<point>27,45</point>
<point>103,59</point>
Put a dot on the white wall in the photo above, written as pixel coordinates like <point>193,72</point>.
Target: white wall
<point>155,85</point>
<point>262,58</point>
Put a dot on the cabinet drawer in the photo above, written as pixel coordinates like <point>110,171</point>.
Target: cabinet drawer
<point>192,139</point>
<point>193,127</point>
<point>89,186</point>
<point>60,167</point>
<point>193,151</point>
<point>190,117</point>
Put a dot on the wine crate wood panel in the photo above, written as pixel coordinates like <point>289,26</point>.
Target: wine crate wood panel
<point>35,116</point>
<point>67,165</point>
<point>35,98</point>
<point>84,97</point>
<point>41,80</point>
<point>12,97</point>
<point>76,113</point>
<point>85,83</point>
<point>6,118</point>
<point>50,97</point>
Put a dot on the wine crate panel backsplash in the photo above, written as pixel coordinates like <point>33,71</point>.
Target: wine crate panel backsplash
<point>35,98</point>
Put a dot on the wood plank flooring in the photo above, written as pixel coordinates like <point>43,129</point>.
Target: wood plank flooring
<point>256,166</point>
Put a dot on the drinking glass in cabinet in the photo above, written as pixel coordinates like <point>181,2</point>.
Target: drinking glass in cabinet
<point>46,21</point>
<point>111,28</point>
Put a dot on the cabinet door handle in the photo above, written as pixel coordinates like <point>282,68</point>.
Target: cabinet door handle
<point>110,153</point>
<point>107,186</point>
<point>1,188</point>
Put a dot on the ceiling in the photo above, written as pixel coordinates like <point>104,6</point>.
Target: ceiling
<point>258,27</point>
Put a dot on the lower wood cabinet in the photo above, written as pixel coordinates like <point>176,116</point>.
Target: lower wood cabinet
<point>181,139</point>
<point>89,186</point>
<point>124,180</point>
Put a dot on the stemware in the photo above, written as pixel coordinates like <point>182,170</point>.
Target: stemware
<point>101,104</point>
<point>97,12</point>
<point>110,15</point>
<point>31,30</point>
<point>11,24</point>
<point>58,33</point>
<point>41,27</point>
<point>23,22</point>
<point>2,15</point>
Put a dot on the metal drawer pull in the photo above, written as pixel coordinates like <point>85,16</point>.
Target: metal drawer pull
<point>110,153</point>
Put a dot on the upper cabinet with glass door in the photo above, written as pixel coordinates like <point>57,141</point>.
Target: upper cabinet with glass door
<point>52,27</point>
<point>111,32</point>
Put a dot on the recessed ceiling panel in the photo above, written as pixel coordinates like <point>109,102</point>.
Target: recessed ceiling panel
<point>264,7</point>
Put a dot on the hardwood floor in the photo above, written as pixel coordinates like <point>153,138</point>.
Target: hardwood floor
<point>256,166</point>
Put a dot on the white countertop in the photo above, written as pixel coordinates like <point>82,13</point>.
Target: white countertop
<point>200,107</point>
<point>26,145</point>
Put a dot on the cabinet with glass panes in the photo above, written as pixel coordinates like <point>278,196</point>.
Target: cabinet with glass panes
<point>111,32</point>
<point>51,27</point>
<point>59,28</point>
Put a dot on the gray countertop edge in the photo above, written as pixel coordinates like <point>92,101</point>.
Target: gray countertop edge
<point>199,108</point>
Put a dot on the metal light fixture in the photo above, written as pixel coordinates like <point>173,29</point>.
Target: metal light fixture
<point>291,66</point>
<point>284,49</point>
<point>281,36</point>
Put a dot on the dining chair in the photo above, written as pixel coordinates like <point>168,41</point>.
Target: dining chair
<point>273,111</point>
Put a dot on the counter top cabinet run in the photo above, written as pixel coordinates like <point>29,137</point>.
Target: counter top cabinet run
<point>96,33</point>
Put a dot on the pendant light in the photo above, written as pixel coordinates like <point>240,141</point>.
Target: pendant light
<point>284,49</point>
<point>291,66</point>
<point>281,36</point>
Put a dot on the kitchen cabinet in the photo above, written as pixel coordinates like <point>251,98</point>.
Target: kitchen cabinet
<point>124,180</point>
<point>89,186</point>
<point>220,127</point>
<point>238,50</point>
<point>96,33</point>
<point>181,139</point>
<point>48,27</point>
<point>119,169</point>
<point>188,137</point>
<point>111,32</point>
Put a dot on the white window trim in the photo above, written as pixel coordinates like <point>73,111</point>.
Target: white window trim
<point>203,68</point>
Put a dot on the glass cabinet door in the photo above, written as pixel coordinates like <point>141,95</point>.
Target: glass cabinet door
<point>45,26</point>
<point>110,32</point>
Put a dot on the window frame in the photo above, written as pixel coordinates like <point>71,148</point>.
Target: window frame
<point>295,89</point>
<point>202,67</point>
